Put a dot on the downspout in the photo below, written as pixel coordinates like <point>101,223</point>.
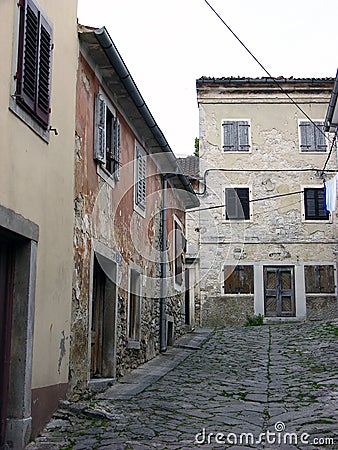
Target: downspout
<point>163,318</point>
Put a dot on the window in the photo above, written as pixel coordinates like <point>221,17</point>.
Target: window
<point>134,310</point>
<point>314,204</point>
<point>319,279</point>
<point>236,136</point>
<point>312,137</point>
<point>140,180</point>
<point>239,279</point>
<point>179,246</point>
<point>107,137</point>
<point>33,76</point>
<point>237,205</point>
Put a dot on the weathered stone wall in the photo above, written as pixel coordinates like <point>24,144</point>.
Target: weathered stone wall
<point>322,308</point>
<point>275,171</point>
<point>230,310</point>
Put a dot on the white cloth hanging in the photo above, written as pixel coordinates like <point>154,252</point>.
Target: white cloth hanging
<point>331,194</point>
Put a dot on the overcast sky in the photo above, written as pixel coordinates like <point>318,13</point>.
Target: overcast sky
<point>168,44</point>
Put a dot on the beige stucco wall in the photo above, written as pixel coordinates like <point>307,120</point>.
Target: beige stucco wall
<point>277,233</point>
<point>36,180</point>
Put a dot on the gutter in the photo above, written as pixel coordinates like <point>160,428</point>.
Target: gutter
<point>122,71</point>
<point>332,105</point>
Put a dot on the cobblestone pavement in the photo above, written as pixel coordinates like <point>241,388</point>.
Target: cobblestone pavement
<point>251,385</point>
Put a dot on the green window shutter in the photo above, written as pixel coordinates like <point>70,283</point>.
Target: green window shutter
<point>100,129</point>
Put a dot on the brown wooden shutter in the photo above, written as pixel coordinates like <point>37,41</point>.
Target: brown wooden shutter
<point>44,71</point>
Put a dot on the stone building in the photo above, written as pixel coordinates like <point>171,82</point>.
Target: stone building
<point>130,201</point>
<point>266,244</point>
<point>38,46</point>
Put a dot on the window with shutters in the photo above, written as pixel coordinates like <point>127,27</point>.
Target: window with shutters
<point>33,76</point>
<point>237,203</point>
<point>312,137</point>
<point>140,166</point>
<point>238,279</point>
<point>320,279</point>
<point>314,204</point>
<point>107,137</point>
<point>236,135</point>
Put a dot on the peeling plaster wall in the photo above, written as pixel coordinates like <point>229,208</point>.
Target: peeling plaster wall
<point>106,215</point>
<point>277,233</point>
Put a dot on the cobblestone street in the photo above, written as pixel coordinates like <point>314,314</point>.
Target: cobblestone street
<point>242,387</point>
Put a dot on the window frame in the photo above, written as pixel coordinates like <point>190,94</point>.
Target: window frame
<point>318,279</point>
<point>233,267</point>
<point>247,217</point>
<point>103,106</point>
<point>316,219</point>
<point>140,179</point>
<point>315,135</point>
<point>236,146</point>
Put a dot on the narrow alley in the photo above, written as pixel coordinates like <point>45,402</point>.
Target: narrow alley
<point>262,387</point>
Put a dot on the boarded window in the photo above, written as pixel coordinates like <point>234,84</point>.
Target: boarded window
<point>239,279</point>
<point>34,62</point>
<point>236,136</point>
<point>237,205</point>
<point>319,279</point>
<point>314,204</point>
<point>312,136</point>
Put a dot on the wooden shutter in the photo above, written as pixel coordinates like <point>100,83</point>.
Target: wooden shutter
<point>100,129</point>
<point>141,178</point>
<point>117,149</point>
<point>305,136</point>
<point>229,136</point>
<point>319,137</point>
<point>243,136</point>
<point>34,62</point>
<point>44,71</point>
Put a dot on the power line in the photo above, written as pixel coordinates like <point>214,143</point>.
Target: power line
<point>330,151</point>
<point>309,169</point>
<point>250,201</point>
<point>266,71</point>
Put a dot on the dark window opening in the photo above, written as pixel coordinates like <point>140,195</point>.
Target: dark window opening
<point>237,205</point>
<point>314,204</point>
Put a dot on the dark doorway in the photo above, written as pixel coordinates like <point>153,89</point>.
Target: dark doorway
<point>7,259</point>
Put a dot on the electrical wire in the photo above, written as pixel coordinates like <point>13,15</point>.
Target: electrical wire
<point>267,72</point>
<point>317,171</point>
<point>250,201</point>
<point>330,151</point>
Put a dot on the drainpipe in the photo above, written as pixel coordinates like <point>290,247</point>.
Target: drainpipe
<point>163,319</point>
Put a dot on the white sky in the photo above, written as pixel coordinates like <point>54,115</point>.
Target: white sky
<point>168,44</point>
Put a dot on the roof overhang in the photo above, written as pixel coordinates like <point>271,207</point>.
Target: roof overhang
<point>331,119</point>
<point>97,46</point>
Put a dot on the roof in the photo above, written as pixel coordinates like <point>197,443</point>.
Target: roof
<point>97,45</point>
<point>331,119</point>
<point>190,166</point>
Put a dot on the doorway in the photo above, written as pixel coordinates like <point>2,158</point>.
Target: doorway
<point>103,325</point>
<point>279,292</point>
<point>7,259</point>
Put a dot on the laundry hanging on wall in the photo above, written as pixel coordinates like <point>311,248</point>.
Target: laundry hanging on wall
<point>330,194</point>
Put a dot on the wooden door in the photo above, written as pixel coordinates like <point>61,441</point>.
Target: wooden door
<point>279,297</point>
